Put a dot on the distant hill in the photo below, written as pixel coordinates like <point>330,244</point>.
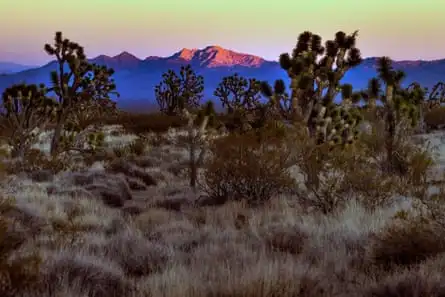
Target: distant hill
<point>136,78</point>
<point>9,67</point>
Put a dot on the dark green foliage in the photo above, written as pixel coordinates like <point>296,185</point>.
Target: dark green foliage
<point>437,92</point>
<point>26,108</point>
<point>315,72</point>
<point>175,92</point>
<point>436,97</point>
<point>82,83</point>
<point>400,106</point>
<point>238,93</point>
<point>372,93</point>
<point>207,110</point>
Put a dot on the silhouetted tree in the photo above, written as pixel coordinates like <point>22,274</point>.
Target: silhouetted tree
<point>76,82</point>
<point>176,92</point>
<point>238,93</point>
<point>399,105</point>
<point>26,109</point>
<point>315,73</point>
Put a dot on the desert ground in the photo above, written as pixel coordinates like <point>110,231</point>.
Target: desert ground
<point>111,234</point>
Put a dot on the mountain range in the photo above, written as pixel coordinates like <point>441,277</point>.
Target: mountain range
<point>9,67</point>
<point>136,78</point>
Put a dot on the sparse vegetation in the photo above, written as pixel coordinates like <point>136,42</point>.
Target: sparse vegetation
<point>293,199</point>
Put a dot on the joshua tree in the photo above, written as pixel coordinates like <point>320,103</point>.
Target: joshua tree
<point>436,97</point>
<point>27,110</point>
<point>434,100</point>
<point>174,93</point>
<point>197,138</point>
<point>372,93</point>
<point>315,73</point>
<point>241,98</point>
<point>238,93</point>
<point>76,82</point>
<point>400,106</point>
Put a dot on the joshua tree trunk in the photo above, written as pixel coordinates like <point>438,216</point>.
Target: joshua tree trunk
<point>55,141</point>
<point>390,127</point>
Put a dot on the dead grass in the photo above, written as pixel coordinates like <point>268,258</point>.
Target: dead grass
<point>161,241</point>
<point>408,243</point>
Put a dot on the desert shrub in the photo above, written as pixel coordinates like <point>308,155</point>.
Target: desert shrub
<point>407,241</point>
<point>414,160</point>
<point>249,166</point>
<point>410,283</point>
<point>135,148</point>
<point>36,160</point>
<point>323,171</point>
<point>287,240</point>
<point>20,273</point>
<point>332,175</point>
<point>153,122</point>
<point>435,118</point>
<point>138,146</point>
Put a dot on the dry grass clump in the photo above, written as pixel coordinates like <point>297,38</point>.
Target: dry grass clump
<point>137,255</point>
<point>84,273</point>
<point>20,273</point>
<point>407,243</point>
<point>35,160</point>
<point>435,118</point>
<point>408,283</point>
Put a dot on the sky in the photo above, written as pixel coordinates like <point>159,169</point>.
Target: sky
<point>401,29</point>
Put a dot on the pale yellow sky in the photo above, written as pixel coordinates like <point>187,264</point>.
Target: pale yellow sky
<point>402,29</point>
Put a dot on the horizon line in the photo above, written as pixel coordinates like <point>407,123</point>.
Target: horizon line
<point>203,48</point>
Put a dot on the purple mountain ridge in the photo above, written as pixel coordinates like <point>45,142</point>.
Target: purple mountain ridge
<point>136,78</point>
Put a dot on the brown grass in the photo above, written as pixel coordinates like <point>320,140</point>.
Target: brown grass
<point>408,243</point>
<point>263,239</point>
<point>144,123</point>
<point>435,118</point>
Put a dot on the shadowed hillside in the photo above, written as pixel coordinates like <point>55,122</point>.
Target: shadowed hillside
<point>136,78</point>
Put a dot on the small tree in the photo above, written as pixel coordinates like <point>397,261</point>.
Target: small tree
<point>82,128</point>
<point>26,112</point>
<point>238,93</point>
<point>176,92</point>
<point>197,138</point>
<point>76,82</point>
<point>401,106</point>
<point>433,101</point>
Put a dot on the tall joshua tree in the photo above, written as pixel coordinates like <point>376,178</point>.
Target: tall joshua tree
<point>176,92</point>
<point>26,109</point>
<point>400,106</point>
<point>75,82</point>
<point>315,73</point>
